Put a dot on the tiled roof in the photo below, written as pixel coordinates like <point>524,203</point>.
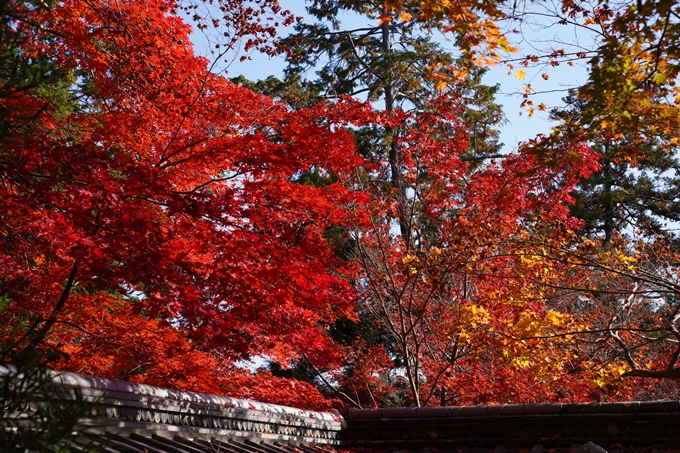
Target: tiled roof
<point>129,417</point>
<point>517,425</point>
<point>110,442</point>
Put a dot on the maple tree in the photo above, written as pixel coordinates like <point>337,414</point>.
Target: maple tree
<point>160,223</point>
<point>619,300</point>
<point>632,70</point>
<point>150,219</point>
<point>436,303</point>
<point>619,276</point>
<point>628,110</point>
<point>633,73</point>
<point>630,50</point>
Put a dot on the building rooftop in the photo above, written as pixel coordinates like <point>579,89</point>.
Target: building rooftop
<point>128,417</point>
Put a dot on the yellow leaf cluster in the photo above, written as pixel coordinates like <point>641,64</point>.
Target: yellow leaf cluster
<point>474,315</point>
<point>601,376</point>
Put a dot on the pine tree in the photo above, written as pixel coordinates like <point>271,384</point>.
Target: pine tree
<point>627,196</point>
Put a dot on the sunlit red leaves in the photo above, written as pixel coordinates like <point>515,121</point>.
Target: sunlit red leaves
<point>177,195</point>
<point>177,189</point>
<point>100,336</point>
<point>448,282</point>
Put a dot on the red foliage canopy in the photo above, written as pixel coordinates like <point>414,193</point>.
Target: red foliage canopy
<point>154,225</point>
<point>151,224</point>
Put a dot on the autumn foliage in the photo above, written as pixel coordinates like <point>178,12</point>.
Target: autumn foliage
<point>161,224</point>
<point>150,224</point>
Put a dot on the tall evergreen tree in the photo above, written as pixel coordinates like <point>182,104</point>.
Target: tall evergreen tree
<point>626,196</point>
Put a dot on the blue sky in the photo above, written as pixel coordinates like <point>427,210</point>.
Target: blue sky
<point>519,126</point>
